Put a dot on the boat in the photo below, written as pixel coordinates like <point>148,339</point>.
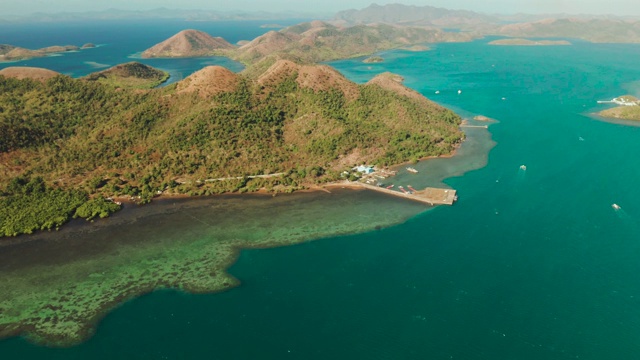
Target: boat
<point>412,170</point>
<point>390,186</point>
<point>411,188</point>
<point>615,206</point>
<point>459,92</point>
<point>523,167</point>
<point>437,91</point>
<point>403,190</point>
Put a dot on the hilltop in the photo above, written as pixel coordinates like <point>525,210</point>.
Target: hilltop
<point>130,75</point>
<point>189,43</point>
<point>306,122</point>
<point>24,72</point>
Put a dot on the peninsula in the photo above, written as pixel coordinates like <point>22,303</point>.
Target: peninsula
<point>628,108</point>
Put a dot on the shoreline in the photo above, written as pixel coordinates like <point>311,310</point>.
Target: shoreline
<point>194,262</point>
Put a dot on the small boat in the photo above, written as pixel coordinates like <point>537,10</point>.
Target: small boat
<point>403,190</point>
<point>437,91</point>
<point>523,167</point>
<point>390,186</point>
<point>411,188</point>
<point>615,206</point>
<point>459,92</point>
<point>412,170</point>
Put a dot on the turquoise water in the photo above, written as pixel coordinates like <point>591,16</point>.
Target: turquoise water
<point>529,264</point>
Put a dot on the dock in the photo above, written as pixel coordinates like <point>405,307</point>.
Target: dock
<point>431,196</point>
<point>475,126</point>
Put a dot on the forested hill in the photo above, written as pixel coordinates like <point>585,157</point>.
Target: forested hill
<point>308,122</point>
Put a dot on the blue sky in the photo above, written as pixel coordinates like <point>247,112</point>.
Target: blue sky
<point>617,7</point>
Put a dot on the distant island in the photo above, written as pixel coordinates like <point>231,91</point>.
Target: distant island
<point>311,42</point>
<point>373,59</point>
<point>15,53</point>
<point>599,29</point>
<point>416,48</point>
<point>528,42</point>
<point>628,109</point>
<point>189,43</point>
<point>130,75</point>
<point>272,26</point>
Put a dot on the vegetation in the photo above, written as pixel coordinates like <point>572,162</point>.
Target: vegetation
<point>130,75</point>
<point>28,205</point>
<point>622,112</point>
<point>85,139</point>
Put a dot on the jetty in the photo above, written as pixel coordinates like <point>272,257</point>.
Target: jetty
<point>431,196</point>
<point>475,126</point>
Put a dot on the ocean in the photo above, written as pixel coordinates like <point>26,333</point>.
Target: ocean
<point>532,262</point>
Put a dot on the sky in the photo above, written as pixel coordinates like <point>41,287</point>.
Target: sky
<point>597,7</point>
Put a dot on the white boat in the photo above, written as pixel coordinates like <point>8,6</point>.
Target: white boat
<point>523,167</point>
<point>412,170</point>
<point>615,206</point>
<point>437,91</point>
<point>459,92</point>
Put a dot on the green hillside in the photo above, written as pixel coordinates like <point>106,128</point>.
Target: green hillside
<point>102,141</point>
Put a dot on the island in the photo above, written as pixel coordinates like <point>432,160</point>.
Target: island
<point>272,26</point>
<point>130,75</point>
<point>628,108</point>
<point>312,42</point>
<point>189,43</point>
<point>279,128</point>
<point>15,53</point>
<point>416,48</point>
<point>528,42</point>
<point>373,59</point>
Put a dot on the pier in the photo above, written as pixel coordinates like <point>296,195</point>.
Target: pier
<point>431,196</point>
<point>475,126</point>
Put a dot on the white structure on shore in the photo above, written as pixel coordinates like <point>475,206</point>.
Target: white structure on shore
<point>622,101</point>
<point>364,169</point>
